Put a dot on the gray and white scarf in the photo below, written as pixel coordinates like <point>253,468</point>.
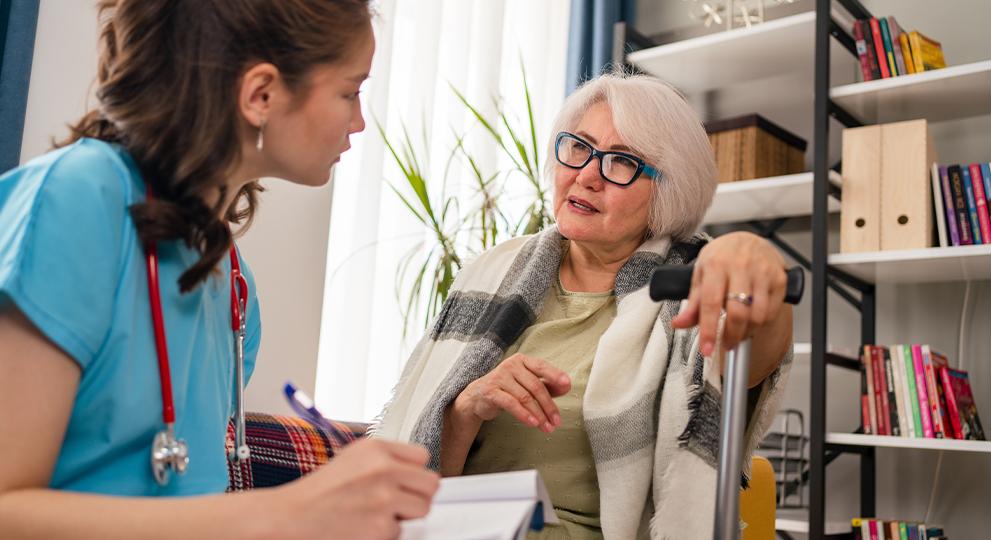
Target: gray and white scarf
<point>652,404</point>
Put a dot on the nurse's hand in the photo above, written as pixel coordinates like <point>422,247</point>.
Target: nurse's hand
<point>362,493</point>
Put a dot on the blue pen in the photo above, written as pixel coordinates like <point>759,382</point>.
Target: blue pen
<point>304,407</point>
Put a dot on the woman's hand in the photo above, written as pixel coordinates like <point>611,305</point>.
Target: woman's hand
<point>362,493</point>
<point>745,275</point>
<point>522,386</point>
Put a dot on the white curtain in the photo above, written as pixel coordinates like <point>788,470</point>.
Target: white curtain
<point>423,48</point>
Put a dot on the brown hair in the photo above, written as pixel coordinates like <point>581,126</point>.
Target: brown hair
<point>167,84</point>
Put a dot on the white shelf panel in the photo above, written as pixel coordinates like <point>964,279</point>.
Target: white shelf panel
<point>797,521</point>
<point>942,94</point>
<point>909,442</point>
<point>777,47</point>
<point>957,263</point>
<point>766,198</point>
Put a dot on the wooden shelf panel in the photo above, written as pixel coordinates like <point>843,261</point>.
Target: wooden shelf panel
<point>783,46</point>
<point>943,94</point>
<point>957,263</point>
<point>766,198</point>
<point>908,442</point>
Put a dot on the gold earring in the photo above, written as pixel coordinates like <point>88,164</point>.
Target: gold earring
<point>260,143</point>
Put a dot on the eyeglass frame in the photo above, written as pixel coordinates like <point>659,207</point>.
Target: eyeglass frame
<point>642,166</point>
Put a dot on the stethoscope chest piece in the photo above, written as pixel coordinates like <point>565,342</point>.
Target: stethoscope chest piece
<point>167,452</point>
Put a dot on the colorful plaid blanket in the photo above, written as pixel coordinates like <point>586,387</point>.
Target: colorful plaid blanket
<point>283,449</point>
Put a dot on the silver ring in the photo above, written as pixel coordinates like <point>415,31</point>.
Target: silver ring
<point>743,298</point>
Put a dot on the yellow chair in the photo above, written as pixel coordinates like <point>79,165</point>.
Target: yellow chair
<point>758,503</point>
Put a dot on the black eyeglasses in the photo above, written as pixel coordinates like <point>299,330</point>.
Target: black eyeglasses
<point>619,168</point>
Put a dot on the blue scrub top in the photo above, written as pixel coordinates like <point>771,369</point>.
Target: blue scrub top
<point>71,261</point>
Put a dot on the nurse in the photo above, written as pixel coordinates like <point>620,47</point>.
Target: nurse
<point>123,301</point>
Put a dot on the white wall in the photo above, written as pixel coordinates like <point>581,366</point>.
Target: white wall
<point>917,313</point>
<point>286,247</point>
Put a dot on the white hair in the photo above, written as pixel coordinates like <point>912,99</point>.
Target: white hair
<point>656,122</point>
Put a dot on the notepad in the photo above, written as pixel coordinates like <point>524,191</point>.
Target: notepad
<point>498,506</point>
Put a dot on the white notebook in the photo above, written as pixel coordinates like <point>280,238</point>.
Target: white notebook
<point>498,506</point>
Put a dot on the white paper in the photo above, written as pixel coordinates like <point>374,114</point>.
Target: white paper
<point>496,506</point>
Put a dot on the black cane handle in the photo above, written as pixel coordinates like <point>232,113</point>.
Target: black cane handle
<point>674,281</point>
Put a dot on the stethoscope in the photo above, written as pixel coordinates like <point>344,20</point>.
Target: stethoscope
<point>168,452</point>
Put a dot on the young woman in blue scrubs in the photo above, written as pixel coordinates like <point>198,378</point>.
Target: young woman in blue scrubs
<point>197,101</point>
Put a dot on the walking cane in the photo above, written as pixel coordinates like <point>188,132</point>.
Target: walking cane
<point>673,283</point>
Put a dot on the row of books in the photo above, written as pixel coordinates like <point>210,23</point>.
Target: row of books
<point>878,529</point>
<point>910,391</point>
<point>961,197</point>
<point>886,51</point>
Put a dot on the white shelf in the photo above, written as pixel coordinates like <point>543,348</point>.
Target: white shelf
<point>778,47</point>
<point>909,442</point>
<point>797,521</point>
<point>942,94</point>
<point>766,198</point>
<point>957,263</point>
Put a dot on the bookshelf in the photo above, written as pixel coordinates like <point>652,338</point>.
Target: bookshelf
<point>766,198</point>
<point>944,94</point>
<point>958,263</point>
<point>885,441</point>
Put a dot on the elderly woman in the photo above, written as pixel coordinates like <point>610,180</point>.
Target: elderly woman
<point>549,353</point>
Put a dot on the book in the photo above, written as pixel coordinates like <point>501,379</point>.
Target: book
<point>892,394</point>
<point>497,506</point>
<point>896,45</point>
<point>865,410</point>
<point>884,412</point>
<point>986,175</point>
<point>938,206</point>
<point>898,377</point>
<point>882,56</point>
<point>931,360</point>
<point>913,392</point>
<point>939,362</point>
<point>949,216</point>
<point>926,52</point>
<point>959,391</point>
<point>889,50</point>
<point>861,46</point>
<point>981,201</point>
<point>868,365</point>
<point>903,530</point>
<point>871,50</point>
<point>960,205</point>
<point>906,53</point>
<point>968,187</point>
<point>872,527</point>
<point>908,430</point>
<point>920,387</point>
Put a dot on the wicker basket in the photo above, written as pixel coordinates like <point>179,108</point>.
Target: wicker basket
<point>752,146</point>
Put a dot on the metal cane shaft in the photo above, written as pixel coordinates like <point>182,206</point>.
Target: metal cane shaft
<point>732,424</point>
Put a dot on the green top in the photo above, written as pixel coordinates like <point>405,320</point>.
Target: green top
<point>566,334</point>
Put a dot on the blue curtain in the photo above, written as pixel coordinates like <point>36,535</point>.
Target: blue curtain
<point>18,22</point>
<point>590,36</point>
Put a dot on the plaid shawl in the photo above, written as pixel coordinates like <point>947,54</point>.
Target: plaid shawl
<point>652,404</point>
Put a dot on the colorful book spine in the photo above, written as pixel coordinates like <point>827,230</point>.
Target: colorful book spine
<point>868,363</point>
<point>908,430</point>
<point>970,422</point>
<point>913,392</point>
<point>861,45</point>
<point>915,40</point>
<point>882,57</point>
<point>881,391</point>
<point>906,53</point>
<point>896,45</point>
<point>968,187</point>
<point>939,362</point>
<point>981,200</point>
<point>951,403</point>
<point>891,398</point>
<point>938,206</point>
<point>920,387</point>
<point>949,215</point>
<point>986,175</point>
<point>898,377</point>
<point>903,530</point>
<point>960,205</point>
<point>889,50</point>
<point>872,525</point>
<point>931,394</point>
<point>871,50</point>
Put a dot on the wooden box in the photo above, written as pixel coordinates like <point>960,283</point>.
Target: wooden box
<point>752,146</point>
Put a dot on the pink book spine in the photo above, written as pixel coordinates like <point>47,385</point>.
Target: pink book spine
<point>937,420</point>
<point>951,402</point>
<point>980,199</point>
<point>920,385</point>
